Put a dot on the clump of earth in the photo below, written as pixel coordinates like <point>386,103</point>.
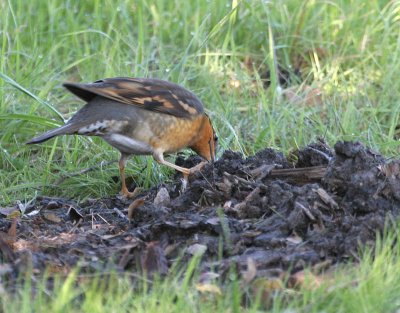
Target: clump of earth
<point>317,206</point>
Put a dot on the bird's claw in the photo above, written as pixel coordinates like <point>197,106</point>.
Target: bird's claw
<point>197,168</point>
<point>130,195</point>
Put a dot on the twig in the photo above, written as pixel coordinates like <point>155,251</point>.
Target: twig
<point>306,211</point>
<point>78,223</point>
<point>304,174</point>
<point>120,214</point>
<point>323,154</point>
<point>240,179</point>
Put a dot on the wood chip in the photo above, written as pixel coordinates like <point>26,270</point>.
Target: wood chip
<point>306,211</point>
<point>325,197</point>
<point>263,171</point>
<point>120,214</point>
<point>162,198</point>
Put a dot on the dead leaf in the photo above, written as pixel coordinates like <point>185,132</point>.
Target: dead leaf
<point>14,214</point>
<point>196,249</point>
<point>22,244</point>
<point>208,277</point>
<point>269,283</point>
<point>294,239</point>
<point>33,213</point>
<point>391,169</point>
<point>304,279</point>
<point>263,171</point>
<point>251,233</point>
<point>134,205</point>
<point>128,246</point>
<point>8,211</point>
<point>213,221</point>
<point>52,217</point>
<point>74,214</point>
<point>208,288</point>
<point>265,288</point>
<point>108,236</point>
<point>60,239</point>
<point>227,205</point>
<point>59,269</point>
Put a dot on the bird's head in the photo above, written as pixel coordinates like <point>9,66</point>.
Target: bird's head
<point>207,142</point>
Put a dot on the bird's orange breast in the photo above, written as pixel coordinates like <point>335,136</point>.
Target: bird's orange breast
<point>168,133</point>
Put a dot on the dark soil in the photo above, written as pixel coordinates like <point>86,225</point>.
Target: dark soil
<point>236,209</point>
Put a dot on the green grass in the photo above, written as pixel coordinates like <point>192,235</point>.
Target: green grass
<point>350,50</point>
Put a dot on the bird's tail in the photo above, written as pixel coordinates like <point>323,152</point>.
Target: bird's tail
<point>63,130</point>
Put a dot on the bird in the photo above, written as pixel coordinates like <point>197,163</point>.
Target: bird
<point>141,116</point>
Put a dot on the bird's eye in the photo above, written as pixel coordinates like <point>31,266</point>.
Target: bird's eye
<point>215,143</point>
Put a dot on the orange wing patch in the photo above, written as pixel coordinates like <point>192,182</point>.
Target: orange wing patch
<point>141,100</point>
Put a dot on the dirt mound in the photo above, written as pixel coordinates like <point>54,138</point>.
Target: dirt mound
<point>317,207</point>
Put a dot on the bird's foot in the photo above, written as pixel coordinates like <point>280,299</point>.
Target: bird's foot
<point>130,195</point>
<point>194,169</point>
<point>197,168</point>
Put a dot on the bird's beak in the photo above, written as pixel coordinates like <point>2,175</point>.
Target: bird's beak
<point>212,153</point>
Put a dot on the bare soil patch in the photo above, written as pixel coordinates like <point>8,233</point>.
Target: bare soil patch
<point>282,215</point>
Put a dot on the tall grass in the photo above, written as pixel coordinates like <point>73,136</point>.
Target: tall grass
<point>221,50</point>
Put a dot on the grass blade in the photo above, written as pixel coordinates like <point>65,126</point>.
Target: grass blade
<point>48,106</point>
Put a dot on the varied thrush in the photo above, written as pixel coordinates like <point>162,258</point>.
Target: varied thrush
<point>141,116</point>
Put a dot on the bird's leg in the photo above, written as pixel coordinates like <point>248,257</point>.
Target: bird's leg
<point>159,157</point>
<point>124,190</point>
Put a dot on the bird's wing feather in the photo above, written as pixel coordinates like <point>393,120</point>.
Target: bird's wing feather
<point>149,94</point>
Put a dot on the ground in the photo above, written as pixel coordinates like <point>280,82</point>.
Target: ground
<point>316,207</point>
